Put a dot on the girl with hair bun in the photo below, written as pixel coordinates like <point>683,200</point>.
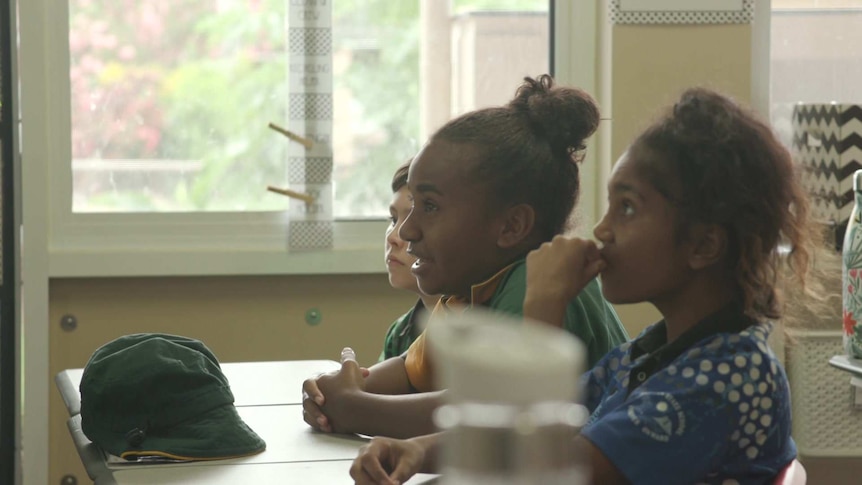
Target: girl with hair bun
<point>488,187</point>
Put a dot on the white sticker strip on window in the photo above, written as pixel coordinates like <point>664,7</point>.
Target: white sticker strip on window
<point>681,12</point>
<point>309,171</point>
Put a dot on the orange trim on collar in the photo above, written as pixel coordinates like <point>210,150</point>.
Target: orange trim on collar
<point>480,293</point>
<point>417,361</point>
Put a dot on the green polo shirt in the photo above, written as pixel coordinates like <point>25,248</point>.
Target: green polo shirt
<point>588,316</point>
<point>403,332</point>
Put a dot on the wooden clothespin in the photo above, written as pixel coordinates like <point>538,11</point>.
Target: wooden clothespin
<point>307,143</point>
<point>292,194</point>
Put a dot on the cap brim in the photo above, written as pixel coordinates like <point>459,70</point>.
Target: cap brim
<point>215,435</point>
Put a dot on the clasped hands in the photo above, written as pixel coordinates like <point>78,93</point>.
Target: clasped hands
<point>326,398</point>
<point>326,403</point>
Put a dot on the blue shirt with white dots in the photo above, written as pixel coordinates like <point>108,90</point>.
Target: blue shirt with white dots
<point>713,406</point>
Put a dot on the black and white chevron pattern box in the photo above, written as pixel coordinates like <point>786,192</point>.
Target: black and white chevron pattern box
<point>827,141</point>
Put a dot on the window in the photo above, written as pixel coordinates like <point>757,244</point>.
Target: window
<point>816,60</point>
<point>156,165</point>
<point>816,56</point>
<point>170,101</point>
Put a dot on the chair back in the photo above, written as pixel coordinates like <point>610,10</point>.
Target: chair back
<point>792,474</point>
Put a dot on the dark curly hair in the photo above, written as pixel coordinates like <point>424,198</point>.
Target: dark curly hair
<point>719,164</point>
<point>529,150</point>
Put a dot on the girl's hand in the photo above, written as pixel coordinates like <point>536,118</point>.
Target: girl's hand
<point>556,273</point>
<point>387,461</point>
<point>339,387</point>
<point>313,399</point>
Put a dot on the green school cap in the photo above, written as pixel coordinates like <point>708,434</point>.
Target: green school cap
<point>159,395</point>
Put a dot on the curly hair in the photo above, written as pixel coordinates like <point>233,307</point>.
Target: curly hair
<point>529,150</point>
<point>719,164</point>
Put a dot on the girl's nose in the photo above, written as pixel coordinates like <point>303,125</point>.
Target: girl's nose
<point>392,236</point>
<point>409,231</point>
<point>603,232</point>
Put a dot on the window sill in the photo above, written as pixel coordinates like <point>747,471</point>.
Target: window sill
<point>358,249</point>
<point>213,263</point>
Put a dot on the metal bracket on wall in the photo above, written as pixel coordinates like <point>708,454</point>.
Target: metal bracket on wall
<point>313,317</point>
<point>68,322</point>
<point>69,480</point>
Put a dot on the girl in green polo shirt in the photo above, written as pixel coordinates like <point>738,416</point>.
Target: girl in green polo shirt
<point>406,328</point>
<point>487,188</point>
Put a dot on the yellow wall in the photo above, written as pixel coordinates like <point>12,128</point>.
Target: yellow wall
<point>652,65</point>
<point>240,318</point>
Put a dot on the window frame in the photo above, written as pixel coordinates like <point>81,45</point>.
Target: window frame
<point>217,243</point>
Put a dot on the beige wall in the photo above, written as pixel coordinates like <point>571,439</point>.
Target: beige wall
<point>652,65</point>
<point>240,318</point>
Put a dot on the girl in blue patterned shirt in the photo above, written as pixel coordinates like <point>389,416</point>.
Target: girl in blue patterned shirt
<point>698,207</point>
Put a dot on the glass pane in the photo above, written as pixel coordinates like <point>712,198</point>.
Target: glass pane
<point>817,60</point>
<point>171,99</point>
<point>816,56</point>
<point>170,102</point>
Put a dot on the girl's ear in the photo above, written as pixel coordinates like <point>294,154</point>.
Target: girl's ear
<point>709,245</point>
<point>518,222</point>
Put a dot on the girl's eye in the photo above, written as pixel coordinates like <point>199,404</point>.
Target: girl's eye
<point>429,206</point>
<point>627,208</point>
<point>393,220</point>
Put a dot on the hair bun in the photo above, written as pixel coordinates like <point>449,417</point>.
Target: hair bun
<point>704,114</point>
<point>563,116</point>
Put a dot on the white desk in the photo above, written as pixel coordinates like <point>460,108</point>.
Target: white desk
<point>268,397</point>
<point>288,439</point>
<point>252,383</point>
<point>311,473</point>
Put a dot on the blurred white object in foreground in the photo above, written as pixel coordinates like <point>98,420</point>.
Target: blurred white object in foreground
<point>512,391</point>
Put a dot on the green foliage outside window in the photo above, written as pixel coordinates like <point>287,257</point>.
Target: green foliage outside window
<point>193,84</point>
